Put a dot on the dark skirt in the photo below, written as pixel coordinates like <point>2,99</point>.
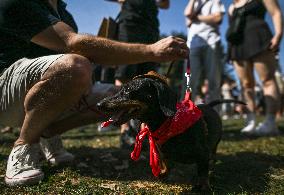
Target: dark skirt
<point>256,39</point>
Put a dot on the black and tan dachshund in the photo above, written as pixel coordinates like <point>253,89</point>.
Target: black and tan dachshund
<point>149,99</point>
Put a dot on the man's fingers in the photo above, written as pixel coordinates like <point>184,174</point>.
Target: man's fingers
<point>175,39</point>
<point>171,48</point>
<point>179,39</point>
<point>179,43</point>
<point>184,46</point>
<point>178,53</point>
<point>179,48</point>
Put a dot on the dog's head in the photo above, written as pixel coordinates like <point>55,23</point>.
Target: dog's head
<point>146,97</point>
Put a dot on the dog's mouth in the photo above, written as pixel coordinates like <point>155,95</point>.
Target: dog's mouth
<point>125,115</point>
<point>124,111</point>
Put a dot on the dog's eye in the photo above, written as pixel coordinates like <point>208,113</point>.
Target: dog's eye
<point>148,96</point>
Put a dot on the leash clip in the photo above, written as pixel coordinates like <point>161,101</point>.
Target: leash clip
<point>188,76</point>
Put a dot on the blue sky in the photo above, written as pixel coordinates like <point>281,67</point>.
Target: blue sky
<point>89,13</point>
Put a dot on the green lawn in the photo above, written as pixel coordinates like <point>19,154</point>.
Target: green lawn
<point>244,166</point>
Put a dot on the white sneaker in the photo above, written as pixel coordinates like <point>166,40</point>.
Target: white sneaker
<point>250,127</point>
<point>23,165</point>
<point>267,128</point>
<point>54,152</point>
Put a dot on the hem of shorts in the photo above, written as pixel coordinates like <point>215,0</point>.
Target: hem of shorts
<point>46,67</point>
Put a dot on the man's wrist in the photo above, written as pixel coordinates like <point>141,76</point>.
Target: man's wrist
<point>149,52</point>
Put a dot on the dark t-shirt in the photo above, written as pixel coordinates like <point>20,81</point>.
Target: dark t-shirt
<point>20,20</point>
<point>138,21</point>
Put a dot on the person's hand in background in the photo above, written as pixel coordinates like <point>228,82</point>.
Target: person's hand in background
<point>275,43</point>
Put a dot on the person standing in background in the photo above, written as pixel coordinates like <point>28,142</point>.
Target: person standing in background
<point>257,49</point>
<point>137,23</point>
<point>203,18</point>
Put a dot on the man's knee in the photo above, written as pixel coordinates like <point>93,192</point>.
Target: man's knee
<point>79,67</point>
<point>75,68</point>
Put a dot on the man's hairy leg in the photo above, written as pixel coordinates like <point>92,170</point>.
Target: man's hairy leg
<point>88,114</point>
<point>61,87</point>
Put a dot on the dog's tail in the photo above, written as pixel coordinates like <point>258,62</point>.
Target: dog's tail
<point>226,101</point>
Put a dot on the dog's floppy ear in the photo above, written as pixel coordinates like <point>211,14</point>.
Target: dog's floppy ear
<point>167,99</point>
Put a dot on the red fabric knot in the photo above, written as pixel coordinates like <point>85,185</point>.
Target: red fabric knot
<point>187,114</point>
<point>106,123</point>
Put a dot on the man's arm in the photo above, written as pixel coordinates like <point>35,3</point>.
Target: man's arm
<point>61,38</point>
<point>163,4</point>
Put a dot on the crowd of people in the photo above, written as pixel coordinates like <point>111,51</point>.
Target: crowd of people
<point>46,69</point>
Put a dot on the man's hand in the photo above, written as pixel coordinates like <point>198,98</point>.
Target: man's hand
<point>169,49</point>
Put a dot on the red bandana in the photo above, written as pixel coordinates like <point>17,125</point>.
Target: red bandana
<point>187,114</point>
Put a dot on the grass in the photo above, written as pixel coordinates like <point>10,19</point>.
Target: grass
<point>244,166</point>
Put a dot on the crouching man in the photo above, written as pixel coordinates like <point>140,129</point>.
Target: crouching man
<point>46,79</point>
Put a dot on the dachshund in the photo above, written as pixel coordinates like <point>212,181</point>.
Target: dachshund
<point>149,99</point>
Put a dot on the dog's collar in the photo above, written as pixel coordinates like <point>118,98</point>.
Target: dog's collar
<point>187,114</point>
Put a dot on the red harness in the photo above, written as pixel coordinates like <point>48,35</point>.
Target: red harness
<point>187,114</point>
